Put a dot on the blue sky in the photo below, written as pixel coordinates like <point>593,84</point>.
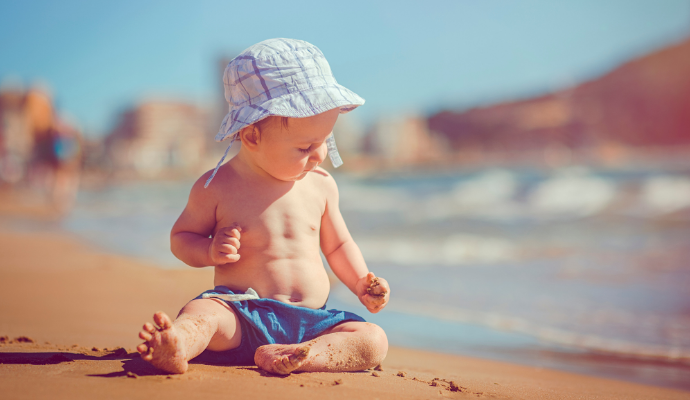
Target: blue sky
<point>100,57</point>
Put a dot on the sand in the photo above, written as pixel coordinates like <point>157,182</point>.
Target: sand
<point>70,315</point>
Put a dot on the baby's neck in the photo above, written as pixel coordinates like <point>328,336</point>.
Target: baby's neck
<point>247,168</point>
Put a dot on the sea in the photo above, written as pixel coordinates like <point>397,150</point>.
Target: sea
<point>578,269</point>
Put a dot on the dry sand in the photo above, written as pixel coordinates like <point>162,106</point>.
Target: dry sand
<point>79,312</point>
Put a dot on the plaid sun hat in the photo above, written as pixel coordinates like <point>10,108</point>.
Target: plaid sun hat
<point>282,77</point>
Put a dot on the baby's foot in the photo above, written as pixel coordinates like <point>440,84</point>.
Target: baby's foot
<point>281,359</point>
<point>163,348</point>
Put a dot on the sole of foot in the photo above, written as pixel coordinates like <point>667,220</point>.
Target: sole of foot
<point>163,346</point>
<point>281,359</point>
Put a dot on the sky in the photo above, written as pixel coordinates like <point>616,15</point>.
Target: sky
<point>403,57</point>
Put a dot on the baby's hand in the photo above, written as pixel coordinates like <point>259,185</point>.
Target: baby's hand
<point>373,292</point>
<point>225,244</point>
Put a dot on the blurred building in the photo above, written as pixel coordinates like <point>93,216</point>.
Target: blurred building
<point>16,136</point>
<point>158,138</point>
<point>33,136</point>
<point>40,152</point>
<point>402,141</point>
<point>642,107</point>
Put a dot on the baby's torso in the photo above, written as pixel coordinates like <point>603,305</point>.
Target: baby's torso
<point>279,245</point>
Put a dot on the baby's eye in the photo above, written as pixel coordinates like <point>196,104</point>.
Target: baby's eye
<point>307,150</point>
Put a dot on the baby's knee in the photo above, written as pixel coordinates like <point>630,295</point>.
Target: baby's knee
<point>378,344</point>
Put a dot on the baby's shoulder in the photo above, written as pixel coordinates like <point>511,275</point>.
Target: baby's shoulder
<point>206,189</point>
<point>324,181</point>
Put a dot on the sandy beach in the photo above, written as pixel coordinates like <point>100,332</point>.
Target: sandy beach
<point>70,317</point>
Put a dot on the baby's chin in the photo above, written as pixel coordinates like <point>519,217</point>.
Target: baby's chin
<point>297,177</point>
<point>294,178</point>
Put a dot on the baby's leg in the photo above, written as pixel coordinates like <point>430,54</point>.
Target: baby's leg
<point>350,346</point>
<point>201,324</point>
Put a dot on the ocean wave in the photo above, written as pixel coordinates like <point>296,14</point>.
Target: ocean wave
<point>504,196</point>
<point>454,250</point>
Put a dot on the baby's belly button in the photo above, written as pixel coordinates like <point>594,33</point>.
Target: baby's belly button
<point>289,299</point>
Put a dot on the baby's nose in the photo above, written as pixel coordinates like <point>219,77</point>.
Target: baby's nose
<point>319,154</point>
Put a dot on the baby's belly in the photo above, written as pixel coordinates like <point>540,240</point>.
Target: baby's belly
<point>300,281</point>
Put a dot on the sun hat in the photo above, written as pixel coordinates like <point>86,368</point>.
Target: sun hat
<point>282,77</point>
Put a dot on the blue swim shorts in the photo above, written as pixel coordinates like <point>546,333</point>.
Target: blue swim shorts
<point>268,321</point>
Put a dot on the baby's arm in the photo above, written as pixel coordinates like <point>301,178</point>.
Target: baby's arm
<point>344,256</point>
<point>190,237</point>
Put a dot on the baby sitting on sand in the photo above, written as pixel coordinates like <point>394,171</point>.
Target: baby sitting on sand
<point>261,223</point>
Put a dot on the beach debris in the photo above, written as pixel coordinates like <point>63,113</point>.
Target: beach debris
<point>95,349</point>
<point>4,339</point>
<point>23,339</point>
<point>454,387</point>
<point>170,377</point>
<point>132,375</point>
<point>378,368</point>
<point>434,383</point>
<point>402,374</point>
<point>376,374</point>
<point>337,382</point>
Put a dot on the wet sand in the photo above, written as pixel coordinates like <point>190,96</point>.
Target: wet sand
<point>70,315</point>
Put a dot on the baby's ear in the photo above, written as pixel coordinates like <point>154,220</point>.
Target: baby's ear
<point>250,137</point>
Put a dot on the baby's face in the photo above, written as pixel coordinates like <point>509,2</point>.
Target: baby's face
<point>290,154</point>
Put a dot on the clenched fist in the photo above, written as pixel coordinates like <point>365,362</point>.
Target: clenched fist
<point>225,245</point>
<point>373,292</point>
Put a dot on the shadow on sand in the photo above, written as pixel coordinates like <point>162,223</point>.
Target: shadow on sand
<point>132,364</point>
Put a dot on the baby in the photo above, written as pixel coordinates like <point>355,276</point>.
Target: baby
<point>261,224</point>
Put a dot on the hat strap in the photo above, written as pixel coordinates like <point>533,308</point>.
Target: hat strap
<point>333,151</point>
<point>221,161</point>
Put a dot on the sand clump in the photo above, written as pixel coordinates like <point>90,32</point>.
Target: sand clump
<point>117,352</point>
<point>375,288</point>
<point>18,339</point>
<point>302,352</point>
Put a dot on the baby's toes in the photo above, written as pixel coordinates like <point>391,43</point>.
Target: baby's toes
<point>148,327</point>
<point>145,336</point>
<point>145,351</point>
<point>283,365</point>
<point>161,319</point>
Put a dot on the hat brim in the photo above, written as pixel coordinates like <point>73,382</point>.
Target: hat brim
<point>304,103</point>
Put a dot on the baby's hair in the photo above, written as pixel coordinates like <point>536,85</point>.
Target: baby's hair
<point>262,124</point>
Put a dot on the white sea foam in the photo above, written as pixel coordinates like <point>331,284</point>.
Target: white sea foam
<point>666,194</point>
<point>374,199</point>
<point>454,250</point>
<point>490,188</point>
<point>571,195</point>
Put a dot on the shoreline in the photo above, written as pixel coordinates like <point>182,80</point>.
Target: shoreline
<point>78,299</point>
